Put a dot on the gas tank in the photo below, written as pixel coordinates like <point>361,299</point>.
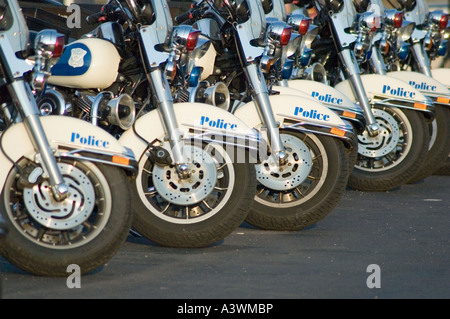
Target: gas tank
<point>89,63</point>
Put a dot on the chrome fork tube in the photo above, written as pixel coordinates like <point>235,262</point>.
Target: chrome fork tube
<point>261,99</point>
<point>376,61</point>
<point>161,90</point>
<point>421,59</point>
<point>350,63</point>
<point>22,95</point>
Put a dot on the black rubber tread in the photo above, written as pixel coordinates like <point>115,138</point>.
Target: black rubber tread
<point>204,233</point>
<point>444,170</point>
<point>401,174</point>
<point>352,158</point>
<point>318,207</point>
<point>440,149</point>
<point>43,261</point>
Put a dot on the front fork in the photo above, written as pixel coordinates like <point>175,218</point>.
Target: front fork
<point>161,90</point>
<point>421,58</point>
<point>23,98</point>
<point>349,61</point>
<point>260,95</point>
<point>377,62</point>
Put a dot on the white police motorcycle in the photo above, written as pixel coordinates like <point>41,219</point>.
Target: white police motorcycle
<point>195,183</point>
<point>65,195</point>
<point>390,55</point>
<point>396,138</point>
<point>306,173</point>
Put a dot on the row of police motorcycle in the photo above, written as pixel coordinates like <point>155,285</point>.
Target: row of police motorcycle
<point>182,128</point>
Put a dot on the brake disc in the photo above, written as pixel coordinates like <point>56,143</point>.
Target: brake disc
<point>291,174</point>
<point>66,214</point>
<point>387,139</point>
<point>187,191</point>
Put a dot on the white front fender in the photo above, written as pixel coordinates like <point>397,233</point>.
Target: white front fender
<point>388,91</point>
<point>325,94</point>
<point>329,97</point>
<point>430,87</point>
<point>62,133</point>
<point>442,75</point>
<point>293,107</point>
<point>297,113</point>
<point>192,118</point>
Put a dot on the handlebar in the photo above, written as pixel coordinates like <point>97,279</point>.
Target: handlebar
<point>94,18</point>
<point>108,12</point>
<point>182,17</point>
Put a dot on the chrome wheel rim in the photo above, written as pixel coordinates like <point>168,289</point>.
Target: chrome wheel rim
<point>390,147</point>
<point>184,210</point>
<point>68,224</point>
<point>309,186</point>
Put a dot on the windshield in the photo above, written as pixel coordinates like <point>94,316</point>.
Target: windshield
<point>13,25</point>
<point>6,18</point>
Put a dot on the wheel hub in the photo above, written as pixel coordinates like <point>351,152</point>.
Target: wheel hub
<point>66,214</point>
<point>383,143</point>
<point>292,173</point>
<point>187,191</point>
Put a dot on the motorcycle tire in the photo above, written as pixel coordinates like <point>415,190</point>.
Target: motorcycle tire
<point>306,189</point>
<point>391,158</point>
<point>439,146</point>
<point>86,229</point>
<point>199,216</point>
<point>352,157</point>
<point>444,170</point>
<point>3,229</point>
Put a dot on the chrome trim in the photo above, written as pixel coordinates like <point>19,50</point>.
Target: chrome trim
<point>350,136</point>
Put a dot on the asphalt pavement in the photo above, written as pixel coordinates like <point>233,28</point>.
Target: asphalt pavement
<point>374,245</point>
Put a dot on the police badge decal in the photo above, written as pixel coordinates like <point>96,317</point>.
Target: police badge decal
<point>76,57</point>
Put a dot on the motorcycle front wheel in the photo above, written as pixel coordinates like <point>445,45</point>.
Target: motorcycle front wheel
<point>391,158</point>
<point>196,211</point>
<point>45,236</point>
<point>305,189</point>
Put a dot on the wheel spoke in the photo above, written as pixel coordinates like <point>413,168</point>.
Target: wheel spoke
<point>221,166</point>
<point>315,158</point>
<point>151,194</point>
<point>65,235</point>
<point>165,208</point>
<point>207,205</point>
<point>299,192</point>
<point>220,188</point>
<point>147,171</point>
<point>40,234</point>
<point>260,191</point>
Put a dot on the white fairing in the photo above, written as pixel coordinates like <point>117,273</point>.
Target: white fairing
<point>383,86</point>
<point>422,82</point>
<point>87,64</point>
<point>291,107</point>
<point>442,75</point>
<point>325,94</point>
<point>190,116</point>
<point>61,131</point>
